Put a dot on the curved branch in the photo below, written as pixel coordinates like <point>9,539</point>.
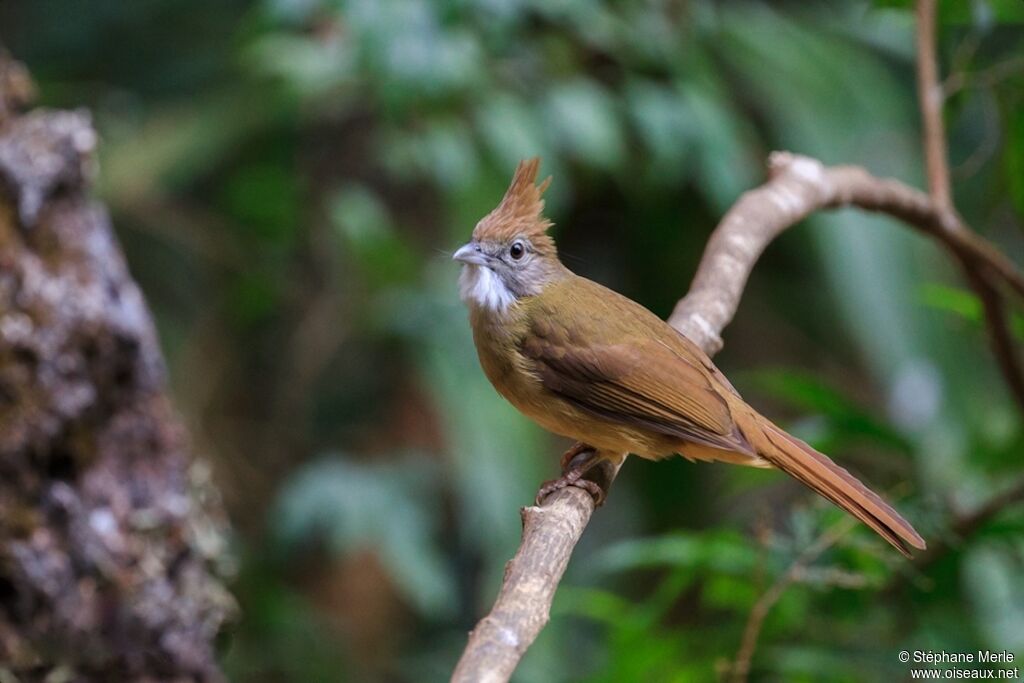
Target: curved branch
<point>797,187</point>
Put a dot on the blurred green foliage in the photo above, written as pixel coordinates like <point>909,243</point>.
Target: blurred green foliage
<point>289,176</point>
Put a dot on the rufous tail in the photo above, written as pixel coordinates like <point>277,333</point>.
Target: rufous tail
<point>796,458</point>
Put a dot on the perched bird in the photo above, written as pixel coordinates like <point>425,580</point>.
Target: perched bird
<point>585,362</point>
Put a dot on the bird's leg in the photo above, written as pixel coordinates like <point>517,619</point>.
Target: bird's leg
<point>577,448</point>
<point>576,462</point>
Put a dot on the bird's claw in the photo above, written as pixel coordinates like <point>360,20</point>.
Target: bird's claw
<point>575,463</point>
<point>576,450</point>
<point>593,488</point>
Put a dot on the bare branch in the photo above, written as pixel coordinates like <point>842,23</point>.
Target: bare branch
<point>970,523</point>
<point>550,532</point>
<point>931,96</point>
<point>523,606</point>
<point>798,186</point>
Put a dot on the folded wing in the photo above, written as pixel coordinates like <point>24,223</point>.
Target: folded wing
<point>643,383</point>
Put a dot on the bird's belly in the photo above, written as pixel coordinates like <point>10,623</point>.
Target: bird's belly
<point>513,379</point>
<point>557,415</point>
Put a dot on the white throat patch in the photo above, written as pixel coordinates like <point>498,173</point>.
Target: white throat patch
<point>480,285</point>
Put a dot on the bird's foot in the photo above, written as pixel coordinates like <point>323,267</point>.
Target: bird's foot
<point>575,463</point>
<point>571,479</point>
<point>577,449</point>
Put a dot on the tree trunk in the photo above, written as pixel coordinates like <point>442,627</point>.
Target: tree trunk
<point>109,532</point>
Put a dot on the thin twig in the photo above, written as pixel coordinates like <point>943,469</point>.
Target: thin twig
<point>989,145</point>
<point>759,612</point>
<point>979,274</point>
<point>966,525</point>
<point>983,78</point>
<point>963,55</point>
<point>930,94</point>
<point>970,523</point>
<point>1000,338</point>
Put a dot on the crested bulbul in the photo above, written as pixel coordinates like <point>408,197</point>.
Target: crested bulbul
<point>588,363</point>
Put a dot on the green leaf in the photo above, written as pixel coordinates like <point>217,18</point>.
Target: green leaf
<point>726,166</point>
<point>178,143</point>
<point>729,592</point>
<point>309,67</point>
<point>810,393</point>
<point>963,304</point>
<point>253,297</point>
<point>992,577</point>
<point>586,123</point>
<point>952,300</point>
<point>510,128</point>
<point>388,507</point>
<point>969,12</point>
<point>591,603</point>
<point>721,551</point>
<point>365,227</point>
<point>663,122</point>
<point>264,198</point>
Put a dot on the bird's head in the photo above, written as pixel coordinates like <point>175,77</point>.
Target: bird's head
<point>511,256</point>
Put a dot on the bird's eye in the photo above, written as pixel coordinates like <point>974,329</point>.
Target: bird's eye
<point>516,251</point>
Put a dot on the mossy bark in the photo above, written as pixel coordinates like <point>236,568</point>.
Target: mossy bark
<point>111,535</point>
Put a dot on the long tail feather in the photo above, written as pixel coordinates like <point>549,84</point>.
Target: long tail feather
<point>796,458</point>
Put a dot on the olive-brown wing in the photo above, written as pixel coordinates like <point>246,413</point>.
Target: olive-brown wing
<point>642,383</point>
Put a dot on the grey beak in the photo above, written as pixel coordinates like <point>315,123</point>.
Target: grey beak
<point>470,254</point>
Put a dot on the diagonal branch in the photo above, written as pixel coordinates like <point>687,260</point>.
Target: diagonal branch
<point>797,187</point>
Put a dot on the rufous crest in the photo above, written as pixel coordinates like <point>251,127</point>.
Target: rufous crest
<point>520,213</point>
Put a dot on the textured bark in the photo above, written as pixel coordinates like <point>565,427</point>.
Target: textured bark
<point>109,535</point>
<point>523,607</point>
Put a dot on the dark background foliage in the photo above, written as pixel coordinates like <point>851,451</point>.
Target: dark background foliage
<point>288,178</point>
